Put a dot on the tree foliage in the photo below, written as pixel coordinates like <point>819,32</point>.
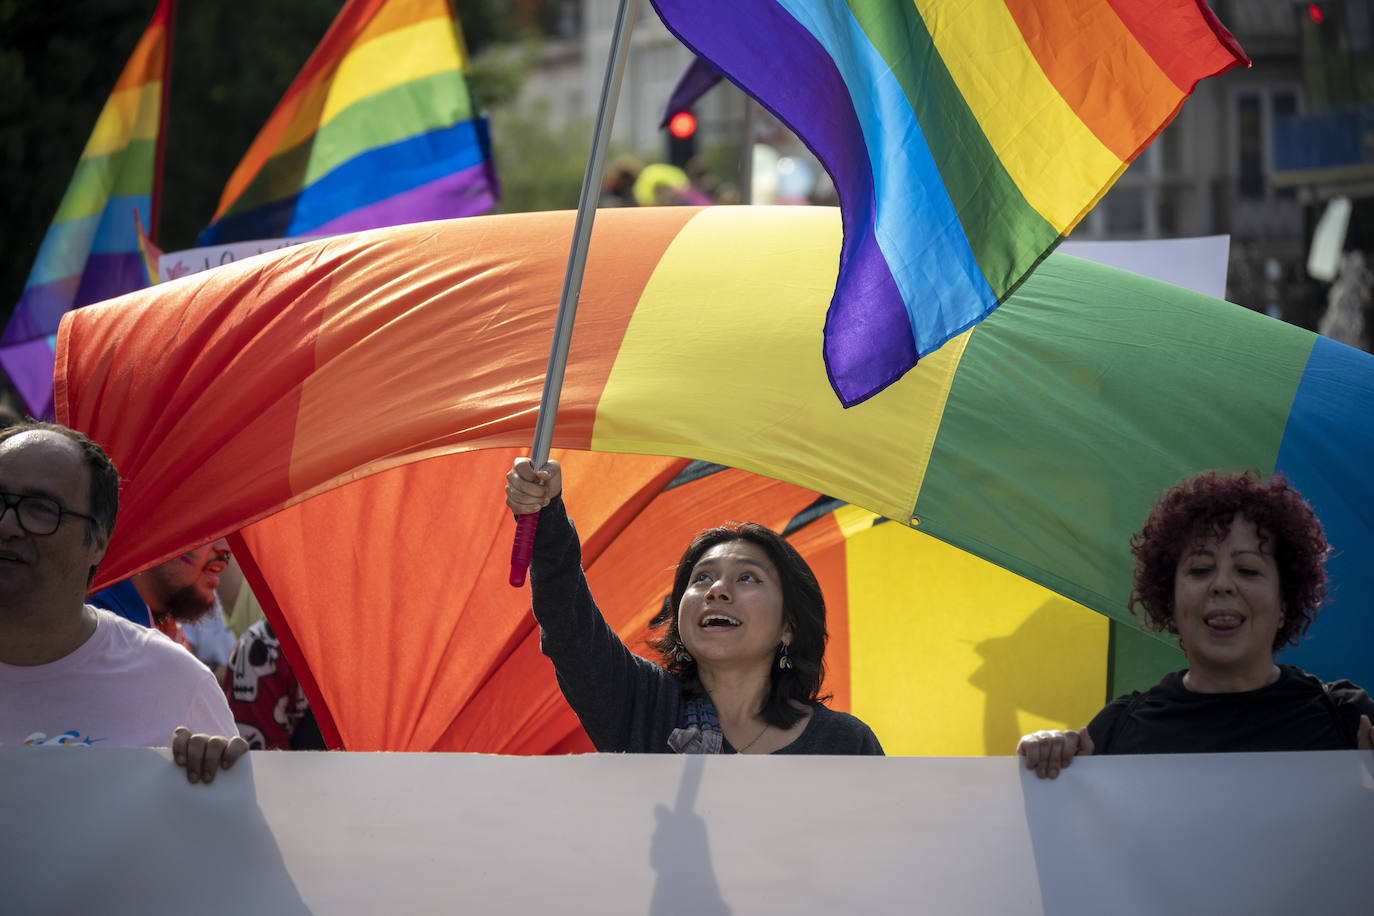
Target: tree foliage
<point>540,168</point>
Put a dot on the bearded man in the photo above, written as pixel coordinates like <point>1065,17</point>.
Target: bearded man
<point>177,592</point>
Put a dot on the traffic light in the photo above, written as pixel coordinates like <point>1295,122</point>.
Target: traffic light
<point>682,137</point>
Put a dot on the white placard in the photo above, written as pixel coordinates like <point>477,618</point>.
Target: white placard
<point>1198,264</point>
<point>120,831</point>
<point>1194,263</point>
<point>173,265</point>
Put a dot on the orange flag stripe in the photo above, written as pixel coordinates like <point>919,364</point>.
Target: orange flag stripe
<point>823,545</point>
<point>144,64</point>
<point>216,338</point>
<point>1070,41</point>
<point>290,348</point>
<point>513,272</point>
<point>1187,42</point>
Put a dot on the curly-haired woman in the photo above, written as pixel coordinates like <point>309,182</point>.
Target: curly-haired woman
<point>741,641</point>
<point>1233,567</point>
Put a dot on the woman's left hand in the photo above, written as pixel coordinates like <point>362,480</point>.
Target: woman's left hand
<point>1364,738</point>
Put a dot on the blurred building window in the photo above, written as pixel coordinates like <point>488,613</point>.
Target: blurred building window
<point>1250,146</point>
<point>1285,103</point>
<point>1168,213</point>
<point>1358,21</point>
<point>1125,210</point>
<point>1171,144</point>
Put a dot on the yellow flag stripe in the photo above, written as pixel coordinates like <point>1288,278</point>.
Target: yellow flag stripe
<point>129,115</point>
<point>742,387</point>
<point>1053,157</point>
<point>1014,657</point>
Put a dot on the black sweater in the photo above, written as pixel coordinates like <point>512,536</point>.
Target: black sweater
<point>1295,713</point>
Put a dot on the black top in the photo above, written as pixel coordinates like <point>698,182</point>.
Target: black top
<point>1295,713</point>
<point>625,702</point>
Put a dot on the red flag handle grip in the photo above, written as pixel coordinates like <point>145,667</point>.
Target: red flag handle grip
<point>523,548</point>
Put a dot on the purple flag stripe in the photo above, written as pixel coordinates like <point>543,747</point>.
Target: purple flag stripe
<point>29,366</point>
<point>698,79</point>
<point>463,193</point>
<point>110,275</point>
<point>39,310</point>
<point>868,337</point>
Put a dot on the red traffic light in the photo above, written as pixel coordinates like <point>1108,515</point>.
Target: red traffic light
<point>683,125</point>
<point>1314,12</point>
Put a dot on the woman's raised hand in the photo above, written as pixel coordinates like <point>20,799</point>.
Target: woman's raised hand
<point>528,490</point>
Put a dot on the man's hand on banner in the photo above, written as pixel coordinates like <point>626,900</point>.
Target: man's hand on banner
<point>204,755</point>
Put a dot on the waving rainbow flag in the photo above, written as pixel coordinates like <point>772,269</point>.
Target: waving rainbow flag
<point>317,394</point>
<point>378,129</point>
<point>965,139</point>
<point>91,250</point>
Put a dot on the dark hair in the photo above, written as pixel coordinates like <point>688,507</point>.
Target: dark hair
<point>1204,506</point>
<point>803,607</point>
<point>104,477</point>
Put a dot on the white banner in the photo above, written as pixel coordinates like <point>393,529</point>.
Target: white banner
<point>93,830</point>
<point>1194,263</point>
<point>174,264</point>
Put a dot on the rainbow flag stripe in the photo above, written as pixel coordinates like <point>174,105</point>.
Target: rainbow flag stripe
<point>378,129</point>
<point>1037,441</point>
<point>91,249</point>
<point>965,139</point>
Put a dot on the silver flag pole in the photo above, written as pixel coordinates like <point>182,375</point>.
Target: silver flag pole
<point>572,277</point>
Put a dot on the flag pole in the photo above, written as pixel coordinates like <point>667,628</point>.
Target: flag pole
<point>746,180</point>
<point>155,204</point>
<point>572,277</point>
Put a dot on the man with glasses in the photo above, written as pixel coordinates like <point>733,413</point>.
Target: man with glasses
<point>71,673</point>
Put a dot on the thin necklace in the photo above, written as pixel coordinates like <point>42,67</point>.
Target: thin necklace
<point>754,742</point>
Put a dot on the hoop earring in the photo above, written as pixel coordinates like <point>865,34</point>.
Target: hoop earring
<point>681,655</point>
<point>784,661</point>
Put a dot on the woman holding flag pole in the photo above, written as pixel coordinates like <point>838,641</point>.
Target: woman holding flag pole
<point>744,631</point>
<point>741,642</point>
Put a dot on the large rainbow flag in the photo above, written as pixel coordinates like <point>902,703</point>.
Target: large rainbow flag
<point>349,407</point>
<point>91,249</point>
<point>379,128</point>
<point>965,139</point>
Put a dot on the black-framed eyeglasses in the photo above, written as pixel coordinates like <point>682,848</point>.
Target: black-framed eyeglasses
<point>37,514</point>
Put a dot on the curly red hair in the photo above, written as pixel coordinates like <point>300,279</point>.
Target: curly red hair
<point>1204,506</point>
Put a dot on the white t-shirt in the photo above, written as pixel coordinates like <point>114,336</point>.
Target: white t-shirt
<point>126,686</point>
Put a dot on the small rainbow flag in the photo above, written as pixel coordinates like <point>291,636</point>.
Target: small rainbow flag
<point>965,139</point>
<point>91,250</point>
<point>148,253</point>
<point>378,129</point>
